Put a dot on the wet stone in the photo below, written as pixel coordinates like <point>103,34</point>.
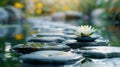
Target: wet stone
<point>106,62</point>
<point>75,45</point>
<point>69,36</point>
<point>3,15</point>
<point>91,38</point>
<point>69,41</point>
<point>100,52</point>
<point>46,39</point>
<point>20,48</point>
<point>15,15</point>
<point>50,57</point>
<point>49,34</point>
<point>97,64</point>
<point>86,39</point>
<point>70,32</point>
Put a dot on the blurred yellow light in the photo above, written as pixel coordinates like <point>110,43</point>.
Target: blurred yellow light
<point>31,11</point>
<point>66,8</point>
<point>53,10</point>
<point>19,5</point>
<point>75,1</point>
<point>38,11</point>
<point>19,36</point>
<point>33,32</point>
<point>35,0</point>
<point>39,5</point>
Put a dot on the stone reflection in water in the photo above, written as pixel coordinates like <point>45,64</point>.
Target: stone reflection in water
<point>7,47</point>
<point>97,64</point>
<point>7,50</point>
<point>46,65</point>
<point>115,61</point>
<point>7,55</point>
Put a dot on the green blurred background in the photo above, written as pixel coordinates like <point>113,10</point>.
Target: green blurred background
<point>102,14</point>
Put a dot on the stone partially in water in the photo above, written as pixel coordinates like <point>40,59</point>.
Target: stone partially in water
<point>49,34</point>
<point>69,32</point>
<point>50,57</point>
<point>69,36</point>
<point>24,49</point>
<point>52,46</point>
<point>75,45</point>
<point>46,39</point>
<point>100,52</point>
<point>97,64</point>
<point>106,62</point>
<point>86,39</point>
<point>115,61</point>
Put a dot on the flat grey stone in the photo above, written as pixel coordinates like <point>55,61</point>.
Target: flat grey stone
<point>75,45</point>
<point>70,32</point>
<point>20,48</point>
<point>86,39</point>
<point>41,65</point>
<point>49,34</point>
<point>50,57</point>
<point>46,39</point>
<point>100,52</point>
<point>106,62</point>
<point>69,36</point>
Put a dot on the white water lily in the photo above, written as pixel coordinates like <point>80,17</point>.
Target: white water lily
<point>85,30</point>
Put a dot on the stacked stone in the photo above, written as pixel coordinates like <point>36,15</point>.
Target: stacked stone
<point>84,52</point>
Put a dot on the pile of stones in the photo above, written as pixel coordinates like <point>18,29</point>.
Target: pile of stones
<point>55,38</point>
